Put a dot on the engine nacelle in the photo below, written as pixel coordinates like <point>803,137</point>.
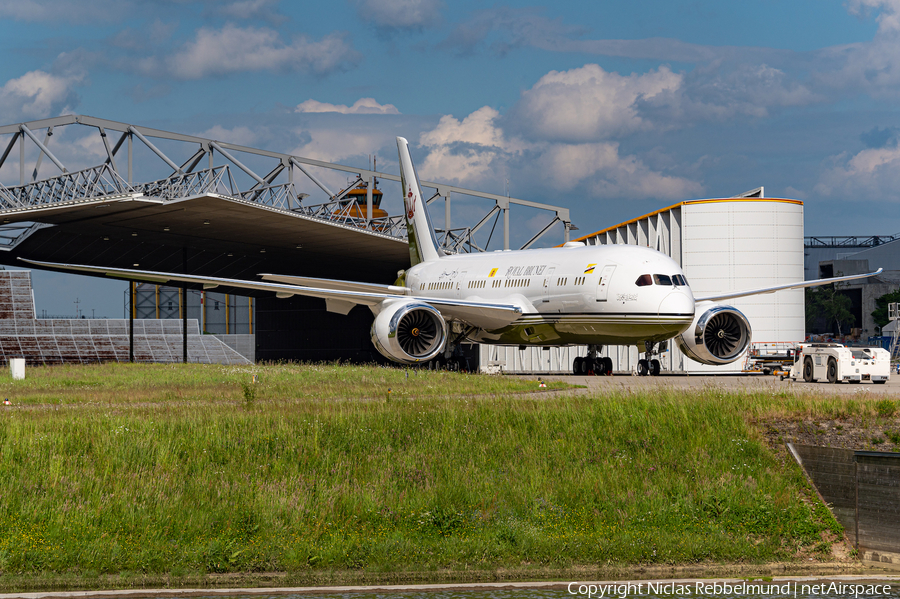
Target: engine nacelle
<point>409,332</point>
<point>718,335</point>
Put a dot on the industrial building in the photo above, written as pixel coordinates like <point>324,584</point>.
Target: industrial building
<point>863,292</point>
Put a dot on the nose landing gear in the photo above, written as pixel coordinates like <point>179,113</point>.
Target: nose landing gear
<point>650,365</point>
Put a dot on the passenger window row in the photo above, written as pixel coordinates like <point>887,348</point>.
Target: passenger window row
<point>477,284</point>
<point>518,283</point>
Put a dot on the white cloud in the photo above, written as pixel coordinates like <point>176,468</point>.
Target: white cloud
<point>477,128</point>
<point>400,14</point>
<point>889,17</point>
<point>467,150</point>
<point>240,135</point>
<point>235,49</point>
<point>155,33</point>
<point>245,10</point>
<point>589,103</point>
<point>872,67</point>
<point>37,94</point>
<point>361,106</point>
<point>64,10</point>
<point>794,193</point>
<point>333,145</point>
<point>713,93</point>
<point>476,150</point>
<point>872,174</point>
<point>510,28</point>
<point>607,173</point>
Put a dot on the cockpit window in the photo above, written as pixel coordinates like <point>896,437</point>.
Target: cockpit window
<point>644,280</point>
<point>679,280</point>
<point>662,279</point>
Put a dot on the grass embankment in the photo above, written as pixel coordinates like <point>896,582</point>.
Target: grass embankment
<point>131,384</point>
<point>162,475</point>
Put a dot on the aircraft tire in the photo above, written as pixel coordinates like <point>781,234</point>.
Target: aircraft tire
<point>607,366</point>
<point>655,367</point>
<point>643,368</point>
<point>807,370</point>
<point>832,370</point>
<point>576,365</point>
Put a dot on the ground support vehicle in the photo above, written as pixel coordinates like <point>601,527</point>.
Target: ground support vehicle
<point>834,363</point>
<point>770,358</point>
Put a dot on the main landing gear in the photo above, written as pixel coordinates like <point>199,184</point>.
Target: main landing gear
<point>649,364</point>
<point>592,363</point>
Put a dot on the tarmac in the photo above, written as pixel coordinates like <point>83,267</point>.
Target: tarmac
<point>730,382</point>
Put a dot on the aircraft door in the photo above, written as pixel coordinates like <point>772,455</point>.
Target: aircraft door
<point>462,284</point>
<point>547,282</point>
<point>603,284</point>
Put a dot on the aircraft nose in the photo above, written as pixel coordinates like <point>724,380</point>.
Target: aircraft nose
<point>675,308</point>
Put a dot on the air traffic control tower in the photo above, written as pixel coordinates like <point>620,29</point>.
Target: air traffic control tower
<point>157,200</point>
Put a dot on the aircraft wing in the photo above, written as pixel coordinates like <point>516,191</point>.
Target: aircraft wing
<point>816,283</point>
<point>479,314</point>
<point>335,284</point>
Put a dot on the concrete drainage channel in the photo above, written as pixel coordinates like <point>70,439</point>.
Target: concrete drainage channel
<point>862,489</point>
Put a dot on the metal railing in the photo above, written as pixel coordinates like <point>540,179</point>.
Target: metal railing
<point>215,180</point>
<point>348,212</point>
<point>93,182</point>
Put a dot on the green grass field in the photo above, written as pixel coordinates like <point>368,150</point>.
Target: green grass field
<point>191,469</point>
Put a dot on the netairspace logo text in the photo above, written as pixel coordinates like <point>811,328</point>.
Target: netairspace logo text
<point>788,589</point>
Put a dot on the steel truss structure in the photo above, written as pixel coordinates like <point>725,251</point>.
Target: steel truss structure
<point>848,241</point>
<point>277,189</point>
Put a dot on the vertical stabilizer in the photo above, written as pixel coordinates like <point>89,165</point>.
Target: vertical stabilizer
<point>423,246</point>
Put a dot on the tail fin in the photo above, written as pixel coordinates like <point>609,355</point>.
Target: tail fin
<point>423,246</point>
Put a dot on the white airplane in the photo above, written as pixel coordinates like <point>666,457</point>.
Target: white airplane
<point>570,295</point>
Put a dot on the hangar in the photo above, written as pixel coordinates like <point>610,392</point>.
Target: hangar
<point>165,201</point>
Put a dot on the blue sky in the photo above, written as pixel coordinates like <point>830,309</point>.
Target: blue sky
<point>612,109</point>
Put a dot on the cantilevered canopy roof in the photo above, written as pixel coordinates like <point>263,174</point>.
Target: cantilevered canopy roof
<point>223,236</point>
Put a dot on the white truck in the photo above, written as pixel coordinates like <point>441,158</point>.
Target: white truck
<point>835,363</point>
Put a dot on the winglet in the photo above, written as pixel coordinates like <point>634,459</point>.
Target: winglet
<point>423,246</point>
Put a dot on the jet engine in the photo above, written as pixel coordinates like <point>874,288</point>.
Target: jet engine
<point>718,335</point>
<point>408,332</point>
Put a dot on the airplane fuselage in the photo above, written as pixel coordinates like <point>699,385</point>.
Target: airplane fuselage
<point>615,294</point>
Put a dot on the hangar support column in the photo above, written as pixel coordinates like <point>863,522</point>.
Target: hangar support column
<point>131,321</point>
